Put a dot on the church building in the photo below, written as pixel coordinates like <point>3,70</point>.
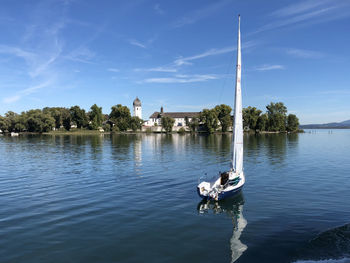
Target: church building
<point>137,108</point>
<point>180,117</point>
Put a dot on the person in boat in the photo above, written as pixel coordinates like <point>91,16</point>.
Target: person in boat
<point>224,178</point>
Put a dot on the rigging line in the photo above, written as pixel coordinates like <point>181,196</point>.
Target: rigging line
<point>230,66</point>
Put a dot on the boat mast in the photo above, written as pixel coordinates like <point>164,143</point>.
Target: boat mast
<point>237,156</point>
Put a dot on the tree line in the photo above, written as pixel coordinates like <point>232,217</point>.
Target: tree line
<point>275,119</point>
<point>60,118</point>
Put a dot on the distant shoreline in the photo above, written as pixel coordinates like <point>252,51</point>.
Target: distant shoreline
<point>324,128</point>
<point>95,132</point>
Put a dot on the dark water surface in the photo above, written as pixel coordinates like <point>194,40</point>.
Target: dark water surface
<point>132,198</point>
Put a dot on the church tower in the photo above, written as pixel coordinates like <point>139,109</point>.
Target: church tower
<point>137,108</point>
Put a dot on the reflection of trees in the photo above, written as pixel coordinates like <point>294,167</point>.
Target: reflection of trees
<point>273,145</point>
<point>121,145</point>
<point>292,139</point>
<point>233,207</point>
<point>218,145</point>
<point>276,147</point>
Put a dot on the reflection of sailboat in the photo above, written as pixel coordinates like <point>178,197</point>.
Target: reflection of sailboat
<point>231,182</point>
<point>234,208</point>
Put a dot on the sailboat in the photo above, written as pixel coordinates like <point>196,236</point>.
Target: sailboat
<point>231,182</point>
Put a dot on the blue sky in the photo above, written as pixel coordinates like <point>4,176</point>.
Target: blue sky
<point>176,54</point>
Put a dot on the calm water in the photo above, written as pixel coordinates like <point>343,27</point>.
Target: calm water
<point>132,198</point>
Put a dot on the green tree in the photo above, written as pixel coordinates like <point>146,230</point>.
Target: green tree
<point>106,127</point>
<point>61,116</point>
<point>66,118</point>
<point>224,115</point>
<point>187,121</point>
<point>78,116</point>
<point>135,123</point>
<point>167,123</point>
<point>292,123</point>
<point>120,116</point>
<point>181,130</point>
<point>56,114</point>
<point>4,124</point>
<point>193,124</point>
<point>262,122</point>
<point>37,121</point>
<point>277,116</point>
<point>250,117</point>
<point>12,119</point>
<point>209,119</point>
<point>96,117</point>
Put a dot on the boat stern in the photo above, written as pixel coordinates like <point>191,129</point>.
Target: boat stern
<point>203,190</point>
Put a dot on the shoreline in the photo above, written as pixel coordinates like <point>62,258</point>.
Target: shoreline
<point>96,132</point>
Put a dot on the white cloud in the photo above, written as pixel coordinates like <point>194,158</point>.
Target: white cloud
<point>194,107</point>
<point>307,13</point>
<point>199,14</point>
<point>18,52</point>
<point>267,67</point>
<point>157,69</point>
<point>38,63</point>
<point>211,52</point>
<point>300,7</point>
<point>113,69</point>
<point>181,79</point>
<point>158,9</point>
<point>11,99</point>
<point>81,54</point>
<point>26,92</point>
<point>302,53</point>
<point>136,43</point>
<point>43,66</point>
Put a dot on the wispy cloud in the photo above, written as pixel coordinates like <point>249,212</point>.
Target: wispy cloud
<point>18,52</point>
<point>193,107</point>
<point>200,14</point>
<point>113,69</point>
<point>81,54</point>
<point>156,69</point>
<point>335,92</point>
<point>181,79</point>
<point>158,10</point>
<point>136,43</point>
<point>38,63</point>
<point>307,13</point>
<point>25,92</point>
<point>302,53</point>
<point>211,52</point>
<point>42,66</point>
<point>143,44</point>
<point>300,7</point>
<point>267,67</point>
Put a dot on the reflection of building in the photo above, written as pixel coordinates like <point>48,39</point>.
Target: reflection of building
<point>234,208</point>
<point>137,108</point>
<point>179,117</point>
<point>138,151</point>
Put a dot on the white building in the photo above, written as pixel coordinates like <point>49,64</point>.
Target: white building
<point>180,117</point>
<point>137,108</point>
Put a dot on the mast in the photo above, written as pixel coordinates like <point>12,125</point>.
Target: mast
<point>237,156</point>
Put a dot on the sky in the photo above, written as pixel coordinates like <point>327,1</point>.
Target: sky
<point>177,54</point>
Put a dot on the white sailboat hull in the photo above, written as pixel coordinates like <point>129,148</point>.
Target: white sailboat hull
<point>218,191</point>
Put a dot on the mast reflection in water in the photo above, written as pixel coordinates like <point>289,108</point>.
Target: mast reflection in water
<point>233,207</point>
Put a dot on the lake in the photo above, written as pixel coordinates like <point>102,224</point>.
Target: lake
<point>132,198</point>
